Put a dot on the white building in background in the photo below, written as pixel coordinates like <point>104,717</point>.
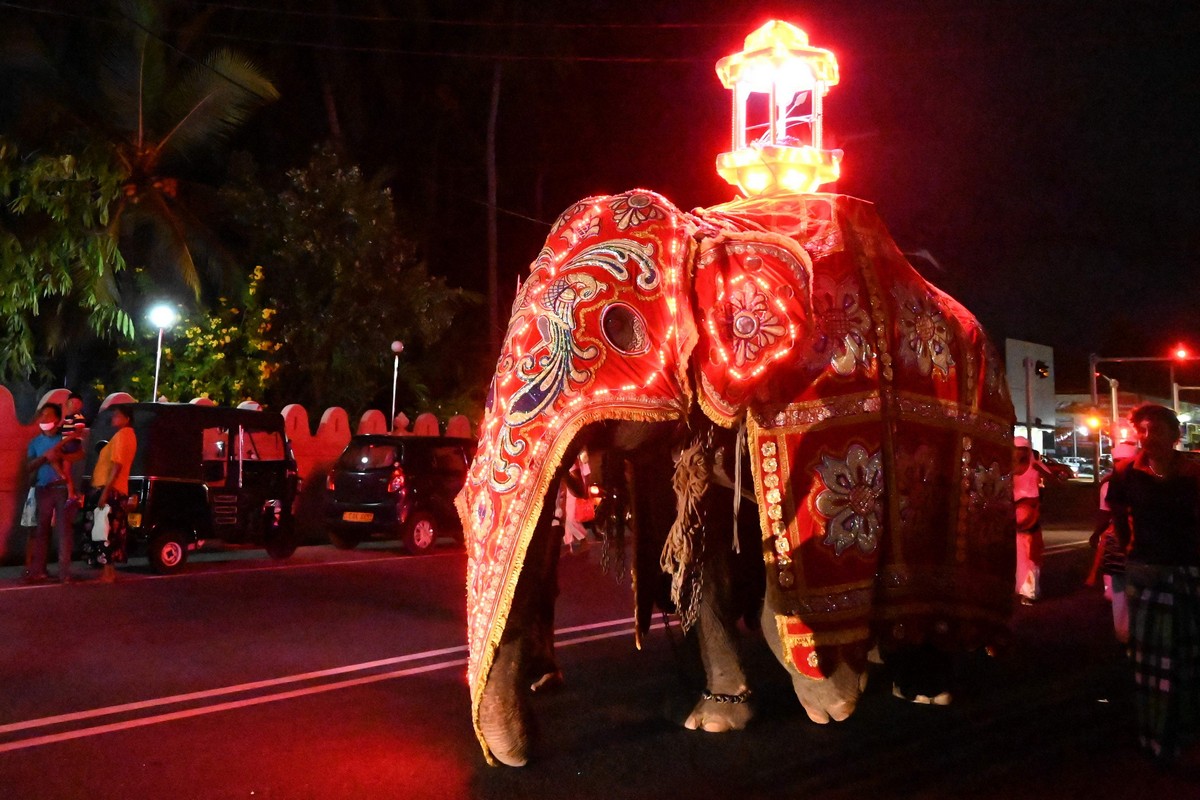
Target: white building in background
<point>1030,369</point>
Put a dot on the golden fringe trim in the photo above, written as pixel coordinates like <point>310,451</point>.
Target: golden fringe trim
<point>504,601</point>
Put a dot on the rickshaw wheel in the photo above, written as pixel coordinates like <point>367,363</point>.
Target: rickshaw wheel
<point>280,541</point>
<point>420,533</point>
<point>168,553</point>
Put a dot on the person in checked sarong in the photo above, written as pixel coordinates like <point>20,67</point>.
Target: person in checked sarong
<point>1155,500</point>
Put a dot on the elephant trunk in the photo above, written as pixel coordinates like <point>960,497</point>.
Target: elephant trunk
<point>504,714</point>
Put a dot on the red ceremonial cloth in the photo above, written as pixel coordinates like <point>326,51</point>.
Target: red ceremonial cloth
<point>878,414</point>
<point>879,440</point>
<point>601,330</point>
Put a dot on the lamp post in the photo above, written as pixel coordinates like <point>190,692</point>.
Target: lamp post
<point>1179,354</point>
<point>162,316</point>
<point>397,349</point>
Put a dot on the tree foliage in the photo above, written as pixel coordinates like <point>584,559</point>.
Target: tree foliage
<point>221,354</point>
<point>58,257</point>
<point>161,119</point>
<point>343,282</point>
<point>123,79</point>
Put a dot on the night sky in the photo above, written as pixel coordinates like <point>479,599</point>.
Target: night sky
<point>1043,153</point>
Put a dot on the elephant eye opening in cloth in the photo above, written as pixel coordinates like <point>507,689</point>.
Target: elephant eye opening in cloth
<point>625,329</point>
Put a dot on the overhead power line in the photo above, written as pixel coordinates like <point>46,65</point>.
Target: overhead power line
<point>469,23</point>
<point>399,51</point>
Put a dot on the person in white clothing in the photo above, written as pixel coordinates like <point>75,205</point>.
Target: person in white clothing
<point>1027,476</point>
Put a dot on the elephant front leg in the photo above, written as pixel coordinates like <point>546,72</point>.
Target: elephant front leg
<point>833,697</point>
<point>723,706</point>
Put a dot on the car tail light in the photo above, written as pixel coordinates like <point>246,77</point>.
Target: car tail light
<point>329,481</point>
<point>396,484</point>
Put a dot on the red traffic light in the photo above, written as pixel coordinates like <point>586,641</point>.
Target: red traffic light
<point>1181,352</point>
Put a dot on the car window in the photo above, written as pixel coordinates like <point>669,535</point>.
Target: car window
<point>417,457</point>
<point>449,458</point>
<point>216,444</point>
<point>214,454</point>
<point>360,456</point>
<point>262,445</point>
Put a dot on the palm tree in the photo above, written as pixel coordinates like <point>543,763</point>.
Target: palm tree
<point>163,124</point>
<point>116,80</point>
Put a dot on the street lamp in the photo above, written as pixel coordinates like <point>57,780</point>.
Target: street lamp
<point>162,316</point>
<point>1178,354</point>
<point>397,349</point>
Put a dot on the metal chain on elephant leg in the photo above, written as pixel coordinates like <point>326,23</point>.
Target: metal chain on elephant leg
<point>612,541</point>
<point>682,555</point>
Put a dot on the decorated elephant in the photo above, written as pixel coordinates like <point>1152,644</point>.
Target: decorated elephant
<point>877,427</point>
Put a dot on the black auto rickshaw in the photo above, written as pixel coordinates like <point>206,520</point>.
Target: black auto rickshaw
<point>206,473</point>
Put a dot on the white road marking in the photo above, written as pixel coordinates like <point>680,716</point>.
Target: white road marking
<point>269,567</point>
<point>96,730</point>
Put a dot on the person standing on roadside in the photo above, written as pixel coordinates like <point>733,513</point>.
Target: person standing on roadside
<point>1109,559</point>
<point>53,487</point>
<point>110,483</point>
<point>1027,477</point>
<point>1155,500</point>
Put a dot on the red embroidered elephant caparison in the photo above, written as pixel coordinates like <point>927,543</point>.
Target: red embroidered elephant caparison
<point>878,413</point>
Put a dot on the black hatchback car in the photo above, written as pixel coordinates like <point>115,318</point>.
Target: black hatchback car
<point>388,486</point>
<point>206,473</point>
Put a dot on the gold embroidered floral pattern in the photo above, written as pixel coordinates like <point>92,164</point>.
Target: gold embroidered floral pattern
<point>752,323</point>
<point>990,502</point>
<point>631,210</point>
<point>852,499</point>
<point>915,482</point>
<point>924,334</point>
<point>840,340</point>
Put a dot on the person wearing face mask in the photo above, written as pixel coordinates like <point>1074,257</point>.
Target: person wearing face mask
<point>1155,500</point>
<point>52,489</point>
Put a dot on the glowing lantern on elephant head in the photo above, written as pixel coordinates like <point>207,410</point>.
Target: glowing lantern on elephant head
<point>778,62</point>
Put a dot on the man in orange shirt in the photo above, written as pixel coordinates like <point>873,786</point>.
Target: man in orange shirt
<point>111,478</point>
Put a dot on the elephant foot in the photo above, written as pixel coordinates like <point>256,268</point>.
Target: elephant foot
<point>921,674</point>
<point>549,682</point>
<point>504,716</point>
<point>940,699</point>
<point>718,713</point>
<point>832,699</point>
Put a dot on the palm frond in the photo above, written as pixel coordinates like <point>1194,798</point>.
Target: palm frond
<point>212,100</point>
<point>169,253</point>
<point>133,71</point>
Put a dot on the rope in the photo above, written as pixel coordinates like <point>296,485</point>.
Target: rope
<point>681,558</point>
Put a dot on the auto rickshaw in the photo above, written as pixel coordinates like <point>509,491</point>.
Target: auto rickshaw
<point>205,473</point>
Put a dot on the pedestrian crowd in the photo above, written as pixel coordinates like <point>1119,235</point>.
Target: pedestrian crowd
<point>55,502</point>
<point>1147,540</point>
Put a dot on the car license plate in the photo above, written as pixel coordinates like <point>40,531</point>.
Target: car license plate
<point>358,516</point>
<point>134,519</point>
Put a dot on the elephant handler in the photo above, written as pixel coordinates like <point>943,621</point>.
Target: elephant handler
<point>1027,476</point>
<point>1155,499</point>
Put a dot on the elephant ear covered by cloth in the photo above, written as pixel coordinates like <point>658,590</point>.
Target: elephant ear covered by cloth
<point>880,441</point>
<point>601,330</point>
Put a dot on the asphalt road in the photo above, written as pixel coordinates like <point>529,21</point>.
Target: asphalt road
<point>341,675</point>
